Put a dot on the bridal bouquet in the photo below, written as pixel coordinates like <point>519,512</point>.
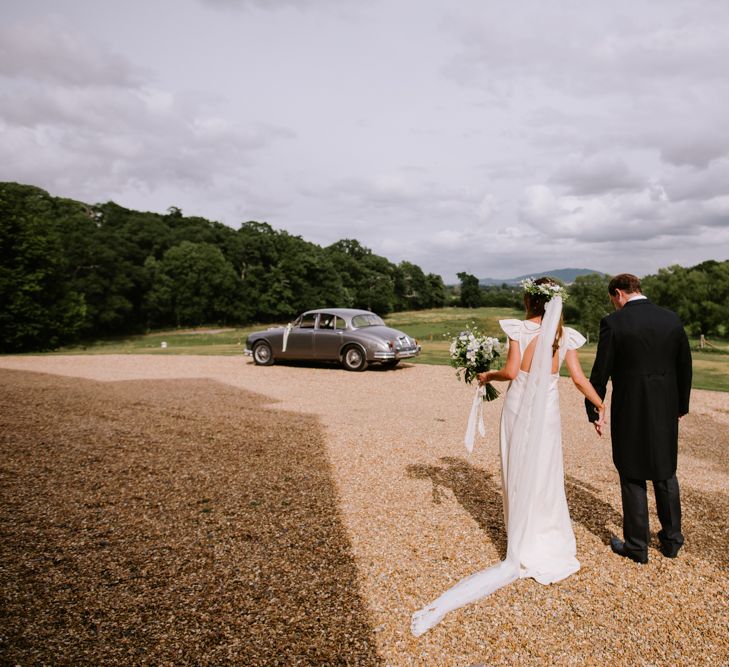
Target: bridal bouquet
<point>473,353</point>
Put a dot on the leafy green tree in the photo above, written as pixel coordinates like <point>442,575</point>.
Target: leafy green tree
<point>502,296</point>
<point>115,274</point>
<point>281,274</point>
<point>143,234</point>
<point>438,292</point>
<point>412,287</point>
<point>470,290</point>
<point>376,288</point>
<point>39,308</point>
<point>103,268</point>
<point>368,280</point>
<point>699,295</point>
<point>311,273</point>
<point>589,303</point>
<point>192,284</point>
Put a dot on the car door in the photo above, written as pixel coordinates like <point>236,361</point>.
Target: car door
<point>300,344</point>
<point>328,336</point>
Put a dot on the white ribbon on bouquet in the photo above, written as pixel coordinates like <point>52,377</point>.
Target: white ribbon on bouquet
<point>475,419</point>
<point>286,333</point>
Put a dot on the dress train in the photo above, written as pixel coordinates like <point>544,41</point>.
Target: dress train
<point>541,542</point>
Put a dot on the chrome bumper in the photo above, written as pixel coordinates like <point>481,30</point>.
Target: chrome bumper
<point>248,353</point>
<point>400,354</point>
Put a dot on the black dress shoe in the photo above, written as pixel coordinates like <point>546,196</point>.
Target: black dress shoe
<point>618,547</point>
<point>670,550</point>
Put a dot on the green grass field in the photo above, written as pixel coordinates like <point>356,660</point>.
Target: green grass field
<point>432,328</point>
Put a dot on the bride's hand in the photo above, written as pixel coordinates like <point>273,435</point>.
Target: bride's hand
<point>600,423</point>
<point>483,378</point>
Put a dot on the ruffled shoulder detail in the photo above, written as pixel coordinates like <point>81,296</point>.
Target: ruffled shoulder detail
<point>512,328</point>
<point>573,339</point>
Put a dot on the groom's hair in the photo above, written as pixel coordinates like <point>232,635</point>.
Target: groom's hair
<point>626,282</point>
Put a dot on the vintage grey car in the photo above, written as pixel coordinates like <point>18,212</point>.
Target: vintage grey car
<point>354,338</point>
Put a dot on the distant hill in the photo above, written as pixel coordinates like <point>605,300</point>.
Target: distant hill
<point>565,275</point>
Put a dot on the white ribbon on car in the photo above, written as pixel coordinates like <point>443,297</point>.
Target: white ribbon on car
<point>286,333</point>
<point>475,419</point>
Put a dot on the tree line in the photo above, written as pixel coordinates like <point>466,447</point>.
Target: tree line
<point>71,270</point>
<point>698,294</point>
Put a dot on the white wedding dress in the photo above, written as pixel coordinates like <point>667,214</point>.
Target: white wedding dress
<point>541,543</point>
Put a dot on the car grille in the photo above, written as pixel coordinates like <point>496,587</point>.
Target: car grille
<point>404,343</point>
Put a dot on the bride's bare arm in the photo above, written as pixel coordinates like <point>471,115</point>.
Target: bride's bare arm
<point>582,383</point>
<point>510,369</point>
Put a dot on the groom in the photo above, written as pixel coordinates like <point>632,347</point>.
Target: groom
<point>644,349</point>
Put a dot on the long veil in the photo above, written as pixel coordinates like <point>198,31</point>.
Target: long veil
<point>522,497</point>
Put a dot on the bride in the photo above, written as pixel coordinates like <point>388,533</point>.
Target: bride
<point>541,543</point>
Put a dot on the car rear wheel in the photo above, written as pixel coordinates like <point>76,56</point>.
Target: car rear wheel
<point>353,358</point>
<point>262,354</point>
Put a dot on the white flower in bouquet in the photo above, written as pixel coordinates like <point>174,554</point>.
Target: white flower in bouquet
<point>472,353</point>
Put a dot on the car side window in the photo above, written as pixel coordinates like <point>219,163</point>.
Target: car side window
<point>327,321</point>
<point>307,321</point>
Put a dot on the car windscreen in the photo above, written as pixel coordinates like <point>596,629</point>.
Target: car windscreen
<point>366,320</point>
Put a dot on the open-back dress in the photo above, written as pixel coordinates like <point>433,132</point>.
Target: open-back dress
<point>541,543</point>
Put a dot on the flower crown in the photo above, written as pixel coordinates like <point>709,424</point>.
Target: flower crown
<point>544,289</point>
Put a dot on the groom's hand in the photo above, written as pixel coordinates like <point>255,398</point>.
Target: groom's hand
<point>599,424</point>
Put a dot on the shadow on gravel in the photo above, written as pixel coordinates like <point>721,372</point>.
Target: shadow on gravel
<point>480,495</point>
<point>586,507</point>
<point>476,491</point>
<point>704,524</point>
<point>704,520</point>
<point>169,522</point>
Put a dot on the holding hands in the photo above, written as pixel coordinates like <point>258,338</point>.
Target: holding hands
<point>599,424</point>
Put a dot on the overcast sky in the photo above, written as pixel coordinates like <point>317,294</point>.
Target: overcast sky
<point>499,138</point>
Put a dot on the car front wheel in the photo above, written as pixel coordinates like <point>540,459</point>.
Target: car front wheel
<point>353,358</point>
<point>262,354</point>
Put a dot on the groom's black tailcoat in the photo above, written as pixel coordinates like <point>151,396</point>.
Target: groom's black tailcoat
<point>644,349</point>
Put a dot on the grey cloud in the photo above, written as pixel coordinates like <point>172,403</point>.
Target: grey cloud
<point>698,184</point>
<point>680,132</point>
<point>89,109</point>
<point>267,4</point>
<point>483,251</point>
<point>596,175</point>
<point>643,215</point>
<point>114,131</point>
<point>405,189</point>
<point>141,149</point>
<point>698,150</point>
<point>603,51</point>
<point>49,51</point>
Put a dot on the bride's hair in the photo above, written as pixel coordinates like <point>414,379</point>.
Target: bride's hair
<point>535,304</point>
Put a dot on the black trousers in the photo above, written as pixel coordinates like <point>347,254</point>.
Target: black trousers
<point>635,514</point>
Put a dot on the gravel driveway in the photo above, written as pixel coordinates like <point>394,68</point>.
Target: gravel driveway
<point>190,509</point>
